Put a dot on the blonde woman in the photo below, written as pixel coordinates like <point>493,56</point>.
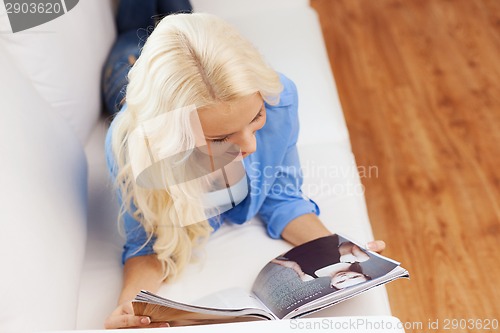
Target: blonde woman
<point>196,87</point>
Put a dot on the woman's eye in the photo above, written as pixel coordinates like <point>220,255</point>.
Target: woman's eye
<point>220,140</point>
<point>258,116</point>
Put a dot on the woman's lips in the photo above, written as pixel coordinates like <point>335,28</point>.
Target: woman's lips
<point>243,153</point>
<point>234,153</point>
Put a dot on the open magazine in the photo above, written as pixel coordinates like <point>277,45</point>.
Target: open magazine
<point>306,279</point>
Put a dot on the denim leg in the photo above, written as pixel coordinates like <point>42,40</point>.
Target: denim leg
<point>132,16</point>
<point>122,56</point>
<point>135,14</point>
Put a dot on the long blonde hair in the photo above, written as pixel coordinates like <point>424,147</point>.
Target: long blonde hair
<point>189,59</point>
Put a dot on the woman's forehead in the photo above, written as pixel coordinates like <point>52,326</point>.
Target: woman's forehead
<point>228,117</point>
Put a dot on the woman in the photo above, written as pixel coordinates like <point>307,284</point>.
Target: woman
<point>195,71</point>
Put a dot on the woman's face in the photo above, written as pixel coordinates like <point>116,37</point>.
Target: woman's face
<point>346,279</point>
<point>234,122</point>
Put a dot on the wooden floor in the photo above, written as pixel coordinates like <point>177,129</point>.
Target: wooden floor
<point>419,82</point>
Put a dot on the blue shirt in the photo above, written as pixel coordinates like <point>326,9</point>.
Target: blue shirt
<point>273,174</point>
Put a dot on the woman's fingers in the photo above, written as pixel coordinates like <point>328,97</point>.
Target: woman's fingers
<point>376,246</point>
<point>126,320</point>
<point>123,317</point>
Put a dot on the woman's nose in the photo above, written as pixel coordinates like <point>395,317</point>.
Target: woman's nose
<point>247,142</point>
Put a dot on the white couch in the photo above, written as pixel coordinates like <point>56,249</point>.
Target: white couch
<point>59,242</point>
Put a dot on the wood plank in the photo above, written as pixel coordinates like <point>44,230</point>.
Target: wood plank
<point>419,83</point>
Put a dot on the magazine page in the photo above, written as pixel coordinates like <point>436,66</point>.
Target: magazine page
<point>315,271</point>
<point>245,307</point>
<point>233,298</point>
<point>344,294</point>
<point>179,317</point>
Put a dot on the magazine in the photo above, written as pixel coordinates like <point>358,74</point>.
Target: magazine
<point>306,279</point>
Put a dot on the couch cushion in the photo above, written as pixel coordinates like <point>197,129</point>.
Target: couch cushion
<point>230,8</point>
<point>291,40</point>
<point>102,271</point>
<point>43,215</point>
<point>63,59</point>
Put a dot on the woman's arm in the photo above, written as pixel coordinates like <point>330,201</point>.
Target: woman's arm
<point>304,229</point>
<point>141,272</point>
<point>308,227</point>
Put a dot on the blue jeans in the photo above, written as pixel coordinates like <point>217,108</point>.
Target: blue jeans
<point>133,20</point>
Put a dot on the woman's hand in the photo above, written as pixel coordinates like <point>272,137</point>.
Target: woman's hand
<point>140,272</point>
<point>123,317</point>
<point>296,234</point>
<point>376,246</point>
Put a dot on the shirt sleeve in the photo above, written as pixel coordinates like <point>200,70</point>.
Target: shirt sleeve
<point>285,200</point>
<point>137,241</point>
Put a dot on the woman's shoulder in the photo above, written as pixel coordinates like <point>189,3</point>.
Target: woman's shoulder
<point>282,123</point>
<point>289,94</point>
